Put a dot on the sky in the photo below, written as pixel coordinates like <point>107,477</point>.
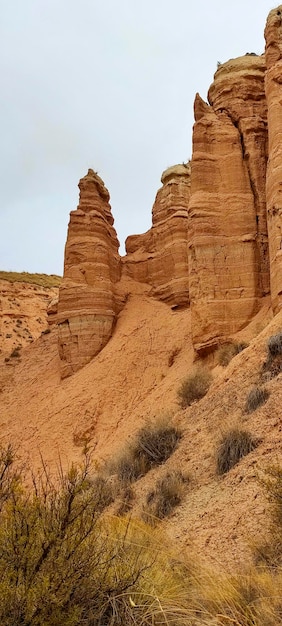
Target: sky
<point>106,84</point>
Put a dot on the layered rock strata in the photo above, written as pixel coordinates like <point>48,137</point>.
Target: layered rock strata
<point>273,89</point>
<point>159,257</point>
<point>86,308</point>
<point>228,254</point>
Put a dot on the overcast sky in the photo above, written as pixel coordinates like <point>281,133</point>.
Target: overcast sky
<point>107,84</point>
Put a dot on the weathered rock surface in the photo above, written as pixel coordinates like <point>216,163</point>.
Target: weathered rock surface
<point>22,314</point>
<point>86,307</point>
<point>160,256</point>
<point>212,243</point>
<point>273,89</point>
<point>228,255</point>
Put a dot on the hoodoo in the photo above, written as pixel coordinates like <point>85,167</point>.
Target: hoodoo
<point>160,256</point>
<point>216,238</point>
<point>86,307</point>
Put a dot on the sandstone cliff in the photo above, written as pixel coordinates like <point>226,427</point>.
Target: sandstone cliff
<point>160,256</point>
<point>228,253</point>
<point>86,307</point>
<point>273,89</point>
<point>215,241</point>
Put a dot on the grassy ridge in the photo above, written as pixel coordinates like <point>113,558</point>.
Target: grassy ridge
<point>43,280</point>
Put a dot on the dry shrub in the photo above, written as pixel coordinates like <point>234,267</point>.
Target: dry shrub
<point>152,446</point>
<point>126,500</point>
<point>195,386</point>
<point>234,445</point>
<point>257,396</point>
<point>273,364</point>
<point>274,345</point>
<point>228,351</point>
<point>168,494</point>
<point>270,551</point>
<point>104,491</point>
<point>62,564</point>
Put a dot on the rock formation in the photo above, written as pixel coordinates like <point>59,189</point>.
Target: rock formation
<point>216,236</point>
<point>228,257</point>
<point>160,256</point>
<point>273,89</point>
<point>86,307</point>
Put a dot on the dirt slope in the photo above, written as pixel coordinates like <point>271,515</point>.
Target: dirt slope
<point>23,308</point>
<point>134,378</point>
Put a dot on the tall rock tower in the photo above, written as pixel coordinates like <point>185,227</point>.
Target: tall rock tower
<point>273,90</point>
<point>86,307</point>
<point>227,237</point>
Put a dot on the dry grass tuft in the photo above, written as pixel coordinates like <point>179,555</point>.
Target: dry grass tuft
<point>270,551</point>
<point>273,364</point>
<point>43,280</point>
<point>152,446</point>
<point>226,352</point>
<point>195,386</point>
<point>168,494</point>
<point>257,396</point>
<point>234,445</point>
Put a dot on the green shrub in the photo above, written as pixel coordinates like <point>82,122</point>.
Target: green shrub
<point>152,446</point>
<point>167,495</point>
<point>257,396</point>
<point>194,387</point>
<point>228,351</point>
<point>233,446</point>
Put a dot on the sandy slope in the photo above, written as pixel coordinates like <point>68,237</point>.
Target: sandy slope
<point>134,378</point>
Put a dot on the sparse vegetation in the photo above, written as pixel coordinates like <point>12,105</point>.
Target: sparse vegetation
<point>233,446</point>
<point>126,500</point>
<point>195,386</point>
<point>43,280</point>
<point>273,364</point>
<point>275,345</point>
<point>228,351</point>
<point>168,494</point>
<point>152,446</point>
<point>63,564</point>
<point>256,397</point>
<point>270,551</point>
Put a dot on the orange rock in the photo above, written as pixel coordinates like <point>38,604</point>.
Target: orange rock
<point>86,307</point>
<point>160,256</point>
<point>228,260</point>
<point>273,90</point>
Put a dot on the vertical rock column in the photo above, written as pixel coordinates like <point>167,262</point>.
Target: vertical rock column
<point>223,263</point>
<point>160,256</point>
<point>86,307</point>
<point>273,90</point>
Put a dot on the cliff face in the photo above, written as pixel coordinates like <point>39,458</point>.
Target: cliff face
<point>160,256</point>
<point>228,255</point>
<point>216,236</point>
<point>86,307</point>
<point>273,89</point>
